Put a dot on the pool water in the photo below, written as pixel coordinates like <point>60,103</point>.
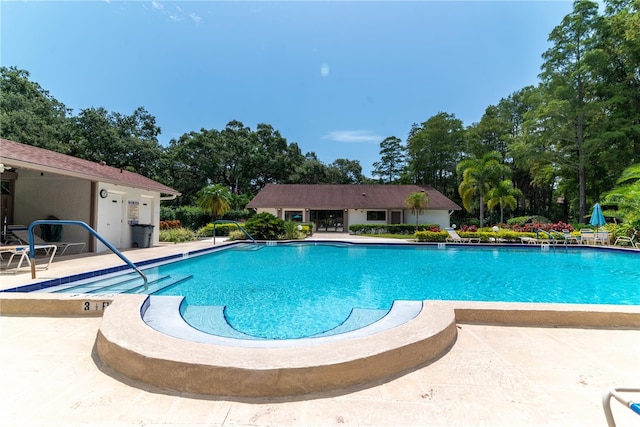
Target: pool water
<point>299,290</point>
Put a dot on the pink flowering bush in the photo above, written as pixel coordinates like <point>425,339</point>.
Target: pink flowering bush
<point>533,227</point>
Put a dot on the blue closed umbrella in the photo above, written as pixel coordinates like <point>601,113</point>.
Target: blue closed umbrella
<point>597,218</point>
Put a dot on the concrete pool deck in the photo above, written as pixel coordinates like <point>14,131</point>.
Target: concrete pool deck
<point>493,375</point>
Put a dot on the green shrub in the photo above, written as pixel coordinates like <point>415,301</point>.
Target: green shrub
<point>190,217</point>
<point>291,231</point>
<point>236,235</point>
<point>167,213</point>
<point>265,226</point>
<point>502,235</point>
<point>240,215</point>
<point>222,229</point>
<point>532,219</point>
<point>391,228</point>
<point>177,235</point>
<point>307,229</point>
<point>431,236</point>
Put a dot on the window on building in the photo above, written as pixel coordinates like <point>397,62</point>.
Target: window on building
<point>293,216</point>
<point>376,215</point>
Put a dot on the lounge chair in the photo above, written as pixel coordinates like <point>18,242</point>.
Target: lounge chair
<point>617,394</point>
<point>529,240</point>
<point>534,241</point>
<point>455,238</point>
<point>23,253</point>
<point>568,237</point>
<point>587,237</point>
<point>23,235</point>
<point>627,239</point>
<point>603,237</point>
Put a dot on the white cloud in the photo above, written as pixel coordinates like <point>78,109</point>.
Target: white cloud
<point>354,136</point>
<point>176,15</point>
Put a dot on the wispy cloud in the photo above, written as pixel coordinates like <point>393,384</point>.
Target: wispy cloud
<point>354,136</point>
<point>176,14</point>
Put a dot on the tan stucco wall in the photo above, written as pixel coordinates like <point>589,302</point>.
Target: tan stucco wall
<point>38,196</point>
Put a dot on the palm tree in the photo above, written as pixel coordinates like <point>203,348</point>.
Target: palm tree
<point>503,195</point>
<point>479,175</point>
<point>417,202</point>
<point>626,197</point>
<point>215,199</point>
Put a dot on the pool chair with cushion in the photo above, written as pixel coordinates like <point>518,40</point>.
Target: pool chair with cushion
<point>617,393</point>
<point>455,238</point>
<point>23,235</point>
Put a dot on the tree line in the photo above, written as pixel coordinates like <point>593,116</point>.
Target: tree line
<point>565,144</point>
<point>552,149</point>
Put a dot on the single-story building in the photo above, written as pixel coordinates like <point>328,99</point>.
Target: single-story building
<point>39,183</point>
<point>334,207</point>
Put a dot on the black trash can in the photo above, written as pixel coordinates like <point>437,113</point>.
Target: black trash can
<point>141,235</point>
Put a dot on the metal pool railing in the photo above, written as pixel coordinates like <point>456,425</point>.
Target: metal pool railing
<point>90,230</point>
<point>225,221</point>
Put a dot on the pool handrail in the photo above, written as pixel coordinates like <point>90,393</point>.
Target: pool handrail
<point>617,394</point>
<point>227,221</point>
<point>549,236</point>
<point>91,231</point>
<point>562,235</point>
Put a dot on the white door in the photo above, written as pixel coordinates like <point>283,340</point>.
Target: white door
<point>112,227</point>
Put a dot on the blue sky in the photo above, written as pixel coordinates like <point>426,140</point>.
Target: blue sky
<point>336,77</point>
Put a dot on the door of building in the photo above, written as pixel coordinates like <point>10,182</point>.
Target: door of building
<point>328,220</point>
<point>111,228</point>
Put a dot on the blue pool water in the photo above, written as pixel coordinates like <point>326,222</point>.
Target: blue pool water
<point>299,290</point>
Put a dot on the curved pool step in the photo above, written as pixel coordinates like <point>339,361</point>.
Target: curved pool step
<point>231,367</point>
<point>358,318</point>
<point>162,313</point>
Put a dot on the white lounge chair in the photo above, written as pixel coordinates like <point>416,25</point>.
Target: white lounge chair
<point>23,253</point>
<point>23,235</point>
<point>455,237</point>
<point>587,237</point>
<point>534,241</point>
<point>627,239</point>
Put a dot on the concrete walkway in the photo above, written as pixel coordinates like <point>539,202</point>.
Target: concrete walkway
<point>493,376</point>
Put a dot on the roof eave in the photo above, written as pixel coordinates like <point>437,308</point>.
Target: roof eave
<point>19,164</point>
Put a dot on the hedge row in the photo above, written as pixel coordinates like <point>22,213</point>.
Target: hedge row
<point>506,236</point>
<point>391,228</point>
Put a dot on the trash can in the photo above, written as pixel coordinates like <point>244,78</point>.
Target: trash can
<point>141,235</point>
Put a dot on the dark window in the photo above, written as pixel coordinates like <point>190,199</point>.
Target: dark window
<point>293,216</point>
<point>376,215</point>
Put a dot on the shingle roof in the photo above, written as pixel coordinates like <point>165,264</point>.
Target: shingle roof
<point>25,156</point>
<point>322,196</point>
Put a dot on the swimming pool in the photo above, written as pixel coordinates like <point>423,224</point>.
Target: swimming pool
<point>299,290</point>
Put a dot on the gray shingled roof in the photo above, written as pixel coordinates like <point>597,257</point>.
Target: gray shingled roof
<point>322,196</point>
<point>25,156</point>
